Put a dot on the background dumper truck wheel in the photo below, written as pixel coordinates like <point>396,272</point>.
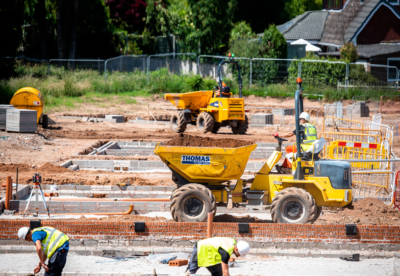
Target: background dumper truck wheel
<point>293,205</point>
<point>178,123</point>
<point>205,122</point>
<point>192,203</point>
<point>241,127</point>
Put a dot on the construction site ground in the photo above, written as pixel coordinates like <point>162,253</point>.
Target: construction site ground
<point>74,139</point>
<point>251,265</point>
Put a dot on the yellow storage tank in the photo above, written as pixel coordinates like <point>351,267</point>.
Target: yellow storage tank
<point>29,98</point>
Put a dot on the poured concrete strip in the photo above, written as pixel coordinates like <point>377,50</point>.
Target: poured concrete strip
<point>136,165</point>
<point>263,150</point>
<point>99,188</point>
<point>112,194</point>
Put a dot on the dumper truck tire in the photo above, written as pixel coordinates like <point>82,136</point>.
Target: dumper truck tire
<point>217,126</point>
<point>205,122</point>
<point>293,205</point>
<point>241,127</point>
<point>178,123</point>
<point>317,214</point>
<point>192,203</point>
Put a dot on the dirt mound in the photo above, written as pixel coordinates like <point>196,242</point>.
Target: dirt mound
<point>366,211</point>
<point>51,168</point>
<point>196,141</point>
<point>390,106</point>
<point>13,168</point>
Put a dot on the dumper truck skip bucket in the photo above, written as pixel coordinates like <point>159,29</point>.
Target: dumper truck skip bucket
<point>191,100</point>
<point>204,165</point>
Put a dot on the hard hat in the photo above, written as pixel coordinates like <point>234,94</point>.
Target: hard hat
<point>305,116</point>
<point>243,248</point>
<point>22,232</point>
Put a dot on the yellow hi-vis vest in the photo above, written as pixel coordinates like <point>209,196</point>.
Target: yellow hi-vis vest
<point>207,250</point>
<point>311,134</point>
<point>53,241</point>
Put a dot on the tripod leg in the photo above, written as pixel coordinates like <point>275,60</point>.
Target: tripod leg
<point>44,201</point>
<point>29,201</point>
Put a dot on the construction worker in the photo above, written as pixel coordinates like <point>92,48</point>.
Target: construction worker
<point>311,136</point>
<point>223,91</point>
<point>50,244</point>
<point>214,254</point>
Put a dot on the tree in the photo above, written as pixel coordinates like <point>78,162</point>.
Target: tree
<point>348,52</point>
<point>294,8</point>
<point>128,15</point>
<point>11,21</point>
<point>241,29</point>
<point>271,45</point>
<point>212,21</point>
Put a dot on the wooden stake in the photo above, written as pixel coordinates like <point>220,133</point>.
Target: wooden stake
<point>210,218</point>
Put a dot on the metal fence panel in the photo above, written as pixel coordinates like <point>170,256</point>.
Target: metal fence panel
<point>77,64</point>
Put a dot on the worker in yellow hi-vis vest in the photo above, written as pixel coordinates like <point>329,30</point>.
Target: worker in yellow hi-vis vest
<point>311,136</point>
<point>50,244</point>
<point>214,254</point>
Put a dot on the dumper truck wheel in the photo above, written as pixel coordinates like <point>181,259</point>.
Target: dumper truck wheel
<point>205,122</point>
<point>178,123</point>
<point>317,214</point>
<point>216,127</point>
<point>293,205</point>
<point>241,127</point>
<point>192,203</point>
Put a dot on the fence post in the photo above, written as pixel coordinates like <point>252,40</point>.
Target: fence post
<point>299,70</point>
<point>198,65</point>
<point>251,71</point>
<point>144,63</point>
<point>105,70</point>
<point>148,69</point>
<point>48,68</point>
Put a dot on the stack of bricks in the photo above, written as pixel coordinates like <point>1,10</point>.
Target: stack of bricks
<point>304,233</point>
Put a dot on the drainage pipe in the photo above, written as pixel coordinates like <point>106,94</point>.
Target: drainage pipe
<point>8,192</point>
<point>112,199</point>
<point>130,210</point>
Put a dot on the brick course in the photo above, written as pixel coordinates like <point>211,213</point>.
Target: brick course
<point>305,233</point>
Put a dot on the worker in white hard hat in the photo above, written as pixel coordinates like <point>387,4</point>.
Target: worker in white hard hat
<point>214,254</point>
<point>50,244</point>
<point>311,136</point>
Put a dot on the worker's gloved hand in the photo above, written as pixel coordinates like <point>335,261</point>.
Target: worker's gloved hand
<point>276,134</point>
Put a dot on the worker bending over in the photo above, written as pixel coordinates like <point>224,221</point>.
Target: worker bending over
<point>50,244</point>
<point>311,136</point>
<point>214,254</point>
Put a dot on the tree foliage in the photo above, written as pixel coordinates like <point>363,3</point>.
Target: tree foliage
<point>241,29</point>
<point>294,8</point>
<point>271,45</point>
<point>348,52</point>
<point>129,15</point>
<point>212,21</point>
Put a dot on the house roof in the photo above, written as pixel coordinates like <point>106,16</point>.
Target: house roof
<point>371,50</point>
<point>308,26</point>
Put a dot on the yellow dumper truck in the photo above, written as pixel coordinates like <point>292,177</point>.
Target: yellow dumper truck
<point>202,176</point>
<point>210,110</point>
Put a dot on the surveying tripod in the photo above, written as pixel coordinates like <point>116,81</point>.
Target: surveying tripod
<point>37,179</point>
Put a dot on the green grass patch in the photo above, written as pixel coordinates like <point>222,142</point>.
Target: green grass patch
<point>66,89</point>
